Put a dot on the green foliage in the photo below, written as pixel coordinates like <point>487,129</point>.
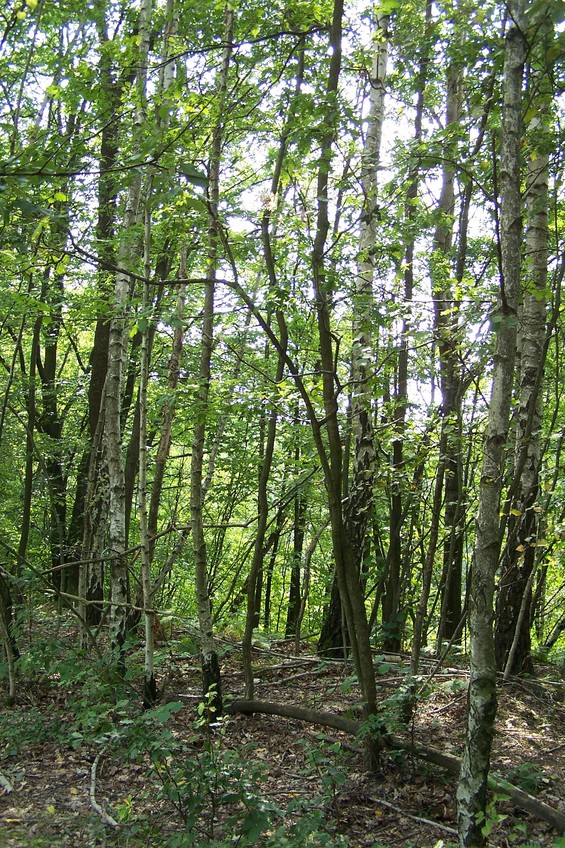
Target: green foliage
<point>328,762</point>
<point>217,791</point>
<point>527,776</point>
<point>22,727</point>
<point>72,143</point>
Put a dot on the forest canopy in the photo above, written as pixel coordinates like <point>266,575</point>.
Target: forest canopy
<point>280,330</point>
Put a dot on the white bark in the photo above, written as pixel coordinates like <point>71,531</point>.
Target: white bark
<point>471,790</point>
<point>362,352</point>
<point>116,359</point>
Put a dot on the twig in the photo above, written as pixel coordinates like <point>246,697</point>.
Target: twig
<point>5,784</point>
<point>107,819</point>
<point>419,819</point>
<point>447,761</point>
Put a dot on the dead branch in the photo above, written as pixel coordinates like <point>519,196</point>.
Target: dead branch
<point>301,713</point>
<point>447,761</point>
<point>107,819</point>
<point>419,819</point>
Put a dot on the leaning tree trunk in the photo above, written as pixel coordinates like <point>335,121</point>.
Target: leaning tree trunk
<point>472,786</point>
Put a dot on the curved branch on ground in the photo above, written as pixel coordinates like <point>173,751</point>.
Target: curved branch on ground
<point>450,763</point>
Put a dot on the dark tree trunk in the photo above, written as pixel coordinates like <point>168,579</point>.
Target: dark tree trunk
<point>333,637</point>
<point>295,571</point>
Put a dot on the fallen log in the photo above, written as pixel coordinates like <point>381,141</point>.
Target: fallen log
<point>450,763</point>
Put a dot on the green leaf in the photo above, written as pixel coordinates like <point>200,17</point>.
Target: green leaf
<point>387,7</point>
<point>195,203</point>
<point>163,713</point>
<point>194,175</point>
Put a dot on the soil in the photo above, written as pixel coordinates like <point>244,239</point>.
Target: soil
<point>48,786</point>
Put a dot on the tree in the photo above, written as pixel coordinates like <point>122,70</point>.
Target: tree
<point>471,791</point>
<point>246,286</point>
<point>525,530</point>
<point>116,358</point>
<point>210,665</point>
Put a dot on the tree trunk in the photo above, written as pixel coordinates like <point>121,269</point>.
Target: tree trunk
<point>359,508</point>
<point>447,332</point>
<point>471,790</point>
<point>392,615</point>
<point>348,577</point>
<point>211,675</point>
<point>117,349</point>
<point>298,533</point>
<point>513,619</point>
<point>255,575</point>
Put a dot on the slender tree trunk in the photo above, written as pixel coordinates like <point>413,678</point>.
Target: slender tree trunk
<point>29,476</point>
<point>298,533</point>
<point>471,790</point>
<point>513,619</point>
<point>98,360</point>
<point>306,582</point>
<point>348,577</point>
<point>149,684</point>
<point>211,679</point>
<point>446,318</point>
<point>255,576</point>
<point>358,512</point>
<point>91,500</point>
<point>6,640</point>
<point>360,502</point>
<point>392,616</point>
<point>117,348</point>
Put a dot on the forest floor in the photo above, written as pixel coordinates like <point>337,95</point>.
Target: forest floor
<point>73,765</point>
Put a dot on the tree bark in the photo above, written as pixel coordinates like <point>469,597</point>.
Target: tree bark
<point>447,332</point>
<point>348,577</point>
<point>360,502</point>
<point>513,619</point>
<point>472,786</point>
<point>114,384</point>
<point>211,675</point>
<point>392,616</point>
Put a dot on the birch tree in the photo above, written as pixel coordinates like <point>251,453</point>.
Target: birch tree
<point>116,360</point>
<point>471,790</point>
<point>524,513</point>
